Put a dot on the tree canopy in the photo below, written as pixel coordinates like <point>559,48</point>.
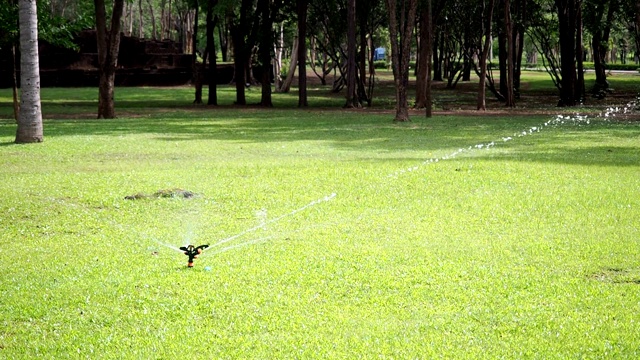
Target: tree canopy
<point>266,41</point>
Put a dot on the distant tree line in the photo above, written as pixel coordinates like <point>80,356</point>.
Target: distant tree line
<point>447,41</point>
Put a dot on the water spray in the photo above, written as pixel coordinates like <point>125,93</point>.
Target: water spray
<point>575,119</point>
<point>194,251</point>
<point>263,223</point>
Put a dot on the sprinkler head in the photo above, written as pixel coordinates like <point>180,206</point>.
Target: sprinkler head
<point>192,252</point>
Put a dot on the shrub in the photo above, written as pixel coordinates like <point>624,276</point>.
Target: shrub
<point>380,64</point>
<point>624,67</point>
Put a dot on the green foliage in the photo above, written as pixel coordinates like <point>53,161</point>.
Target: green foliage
<point>284,69</point>
<point>527,249</point>
<point>60,31</point>
<point>623,67</point>
<point>380,64</point>
<point>8,23</point>
<point>54,29</point>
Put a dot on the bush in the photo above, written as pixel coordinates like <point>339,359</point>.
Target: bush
<point>624,67</point>
<point>284,69</point>
<point>536,66</point>
<point>380,64</point>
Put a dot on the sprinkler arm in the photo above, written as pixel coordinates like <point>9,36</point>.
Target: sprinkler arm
<point>192,252</point>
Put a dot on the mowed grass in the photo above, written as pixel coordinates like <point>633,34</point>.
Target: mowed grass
<point>526,249</point>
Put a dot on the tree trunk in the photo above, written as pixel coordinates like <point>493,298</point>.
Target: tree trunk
<point>437,52</point>
<point>351,95</point>
<point>580,89</point>
<point>197,71</point>
<point>14,65</point>
<point>637,31</point>
<point>223,36</point>
<point>277,64</point>
<point>429,45</point>
<point>600,45</point>
<point>286,84</point>
<point>108,48</point>
<point>423,57</point>
<point>132,16</point>
<point>30,115</point>
<point>364,95</point>
<point>482,86</point>
<point>518,44</point>
<point>141,24</point>
<point>502,51</point>
<point>168,25</point>
<point>567,11</point>
<point>266,42</point>
<point>401,23</point>
<point>238,33</point>
<point>154,30</point>
<point>509,100</point>
<point>212,98</point>
<point>302,53</point>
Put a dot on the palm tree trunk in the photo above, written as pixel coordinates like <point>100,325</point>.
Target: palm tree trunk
<point>30,115</point>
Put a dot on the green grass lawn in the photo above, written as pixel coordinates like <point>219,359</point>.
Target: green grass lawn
<point>529,248</point>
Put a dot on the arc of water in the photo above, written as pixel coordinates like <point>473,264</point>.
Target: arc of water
<point>265,223</point>
<point>558,120</point>
<point>165,245</point>
<point>242,244</point>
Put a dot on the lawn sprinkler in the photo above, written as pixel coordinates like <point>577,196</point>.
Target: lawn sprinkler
<point>192,252</point>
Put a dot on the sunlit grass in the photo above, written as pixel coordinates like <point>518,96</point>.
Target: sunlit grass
<point>526,249</point>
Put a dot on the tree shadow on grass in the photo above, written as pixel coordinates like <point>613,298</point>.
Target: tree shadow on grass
<point>596,144</point>
<point>604,155</point>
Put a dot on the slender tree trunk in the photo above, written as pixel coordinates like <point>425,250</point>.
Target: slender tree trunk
<point>277,64</point>
<point>401,23</point>
<point>141,28</point>
<point>154,30</point>
<point>567,19</point>
<point>509,99</point>
<point>580,89</point>
<point>351,95</point>
<point>600,45</point>
<point>502,50</point>
<point>108,48</point>
<point>302,53</point>
<point>286,84</point>
<point>436,51</point>
<point>197,71</point>
<point>266,42</point>
<point>169,21</point>
<point>429,45</point>
<point>423,58</point>
<point>30,115</point>
<point>162,10</point>
<point>239,31</point>
<point>361,56</point>
<point>518,44</point>
<point>637,31</point>
<point>482,86</point>
<point>223,36</point>
<point>132,16</point>
<point>14,65</point>
<point>211,48</point>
